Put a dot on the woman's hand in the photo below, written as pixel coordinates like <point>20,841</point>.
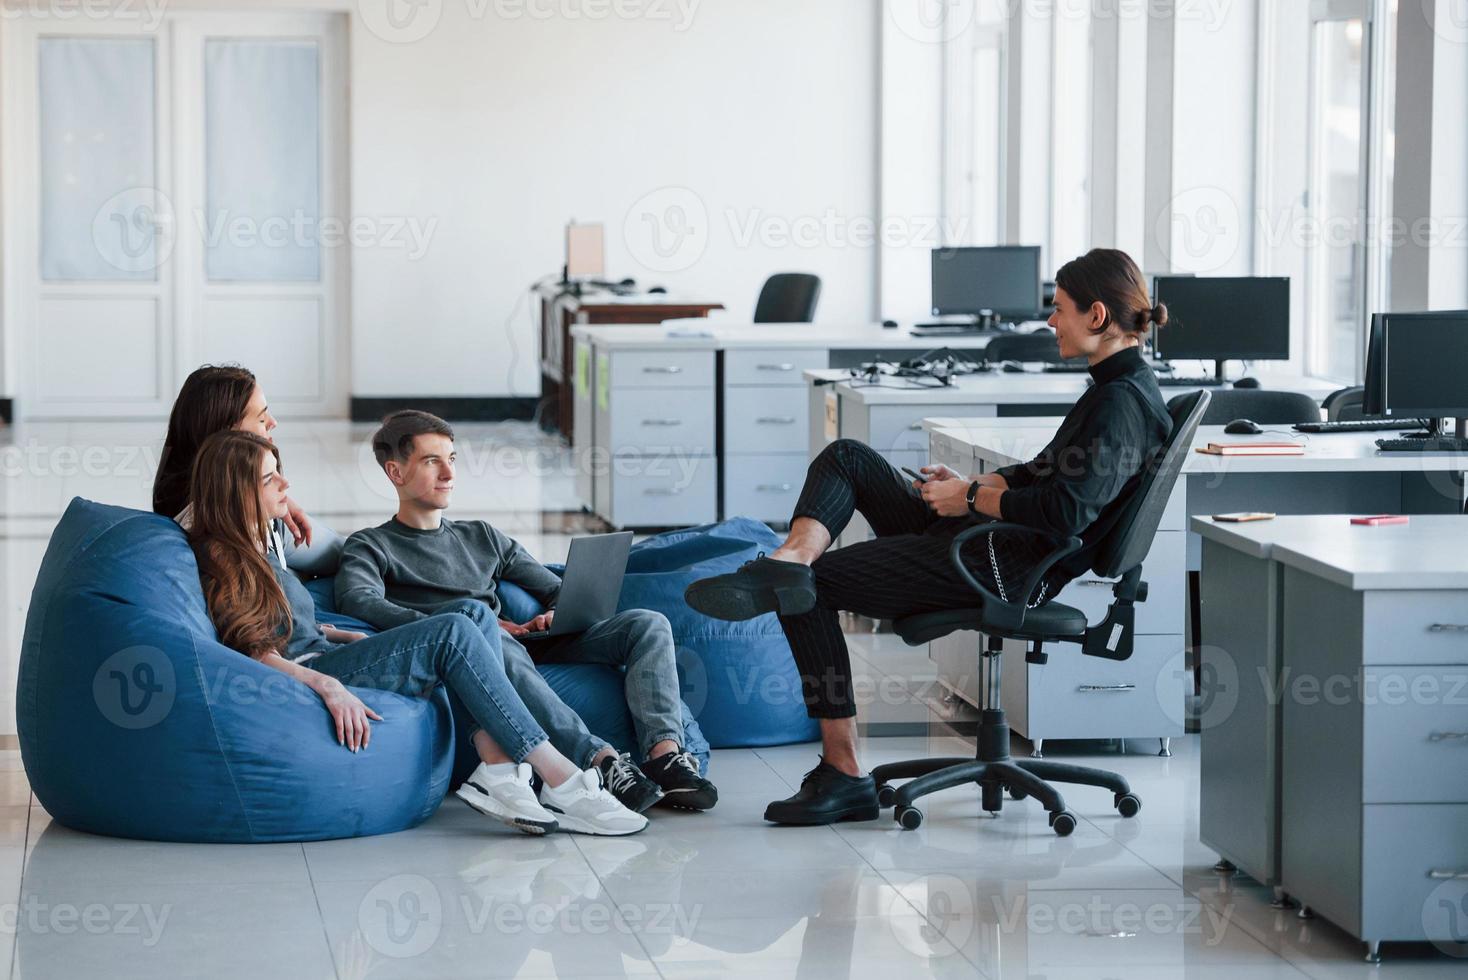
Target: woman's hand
<point>938,473</point>
<point>541,622</point>
<point>514,629</point>
<point>348,712</point>
<point>338,635</point>
<point>946,498</point>
<point>297,522</point>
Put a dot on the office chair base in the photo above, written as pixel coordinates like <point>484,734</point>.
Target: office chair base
<point>996,773</point>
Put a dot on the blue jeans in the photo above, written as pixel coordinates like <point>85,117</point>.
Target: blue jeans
<point>638,641</point>
<point>445,649</point>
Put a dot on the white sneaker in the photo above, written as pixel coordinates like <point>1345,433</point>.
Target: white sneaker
<point>503,792</point>
<point>582,806</point>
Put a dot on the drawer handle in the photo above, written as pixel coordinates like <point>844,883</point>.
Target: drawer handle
<point>776,420</point>
<point>1438,875</point>
<point>1447,736</point>
<point>775,367</point>
<point>1448,628</point>
<point>916,426</point>
<point>661,492</point>
<point>775,487</point>
<point>662,422</point>
<point>663,369</point>
<point>1093,688</point>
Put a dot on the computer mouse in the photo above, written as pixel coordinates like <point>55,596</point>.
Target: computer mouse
<point>628,282</point>
<point>658,289</point>
<point>1242,427</point>
<point>1013,367</point>
<point>1247,383</point>
<point>889,324</point>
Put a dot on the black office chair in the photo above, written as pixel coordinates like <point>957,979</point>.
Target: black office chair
<point>1121,555</point>
<point>1258,405</point>
<point>788,297</point>
<point>1345,405</point>
<point>1039,346</point>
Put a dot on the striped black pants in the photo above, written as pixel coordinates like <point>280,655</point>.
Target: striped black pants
<point>904,571</point>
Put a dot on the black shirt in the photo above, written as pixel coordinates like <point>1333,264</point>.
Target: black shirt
<point>1095,460</point>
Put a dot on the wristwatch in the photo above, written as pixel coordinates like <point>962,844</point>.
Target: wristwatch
<point>973,492</point>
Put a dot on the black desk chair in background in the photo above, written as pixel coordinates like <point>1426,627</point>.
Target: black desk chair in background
<point>1345,405</point>
<point>1121,555</point>
<point>788,297</point>
<point>1258,405</point>
<point>1039,346</point>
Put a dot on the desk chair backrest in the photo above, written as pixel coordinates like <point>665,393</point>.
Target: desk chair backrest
<point>1345,405</point>
<point>788,297</point>
<point>1131,537</point>
<point>1259,405</point>
<point>1040,346</point>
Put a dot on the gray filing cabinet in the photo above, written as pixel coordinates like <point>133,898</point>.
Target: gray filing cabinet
<point>766,429</point>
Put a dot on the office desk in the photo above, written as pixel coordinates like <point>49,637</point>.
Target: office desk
<point>1341,473</point>
<point>1341,743</point>
<point>559,310</point>
<point>679,429</point>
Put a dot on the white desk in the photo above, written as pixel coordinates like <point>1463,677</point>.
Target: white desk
<point>1332,740</point>
<point>1340,473</point>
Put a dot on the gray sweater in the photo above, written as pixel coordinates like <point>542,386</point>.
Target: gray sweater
<point>394,574</point>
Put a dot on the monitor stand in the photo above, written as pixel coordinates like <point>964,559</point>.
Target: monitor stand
<point>1218,370</point>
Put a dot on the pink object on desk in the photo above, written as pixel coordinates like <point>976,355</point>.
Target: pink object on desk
<point>1380,519</point>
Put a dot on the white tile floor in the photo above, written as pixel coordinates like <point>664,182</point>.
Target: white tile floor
<point>696,895</point>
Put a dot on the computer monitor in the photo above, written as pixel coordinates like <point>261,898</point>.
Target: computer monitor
<point>585,253</point>
<point>1004,279</point>
<point>1224,318</point>
<point>1420,362</point>
<point>1372,393</point>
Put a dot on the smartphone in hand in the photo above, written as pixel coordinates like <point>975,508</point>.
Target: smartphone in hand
<point>915,475</point>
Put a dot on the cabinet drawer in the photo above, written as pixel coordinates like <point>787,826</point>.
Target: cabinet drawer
<point>1075,696</point>
<point>899,428</point>
<point>662,369</point>
<point>1163,571</point>
<point>1407,852</point>
<point>680,492</point>
<point>766,420</point>
<point>772,367</point>
<point>763,487</point>
<point>654,421</point>
<point>1429,627</point>
<point>1415,734</point>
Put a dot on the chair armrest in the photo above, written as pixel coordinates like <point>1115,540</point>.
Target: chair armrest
<point>1010,615</point>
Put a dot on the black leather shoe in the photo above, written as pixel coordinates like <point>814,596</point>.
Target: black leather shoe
<point>761,586</point>
<point>827,795</point>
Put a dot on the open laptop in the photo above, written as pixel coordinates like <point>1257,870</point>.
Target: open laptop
<point>591,586</point>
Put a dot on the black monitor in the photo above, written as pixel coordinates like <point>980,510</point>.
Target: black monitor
<point>1418,364</point>
<point>1004,279</point>
<point>1224,318</point>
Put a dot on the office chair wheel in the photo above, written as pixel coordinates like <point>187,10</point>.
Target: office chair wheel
<point>886,795</point>
<point>1063,823</point>
<point>910,818</point>
<point>1017,794</point>
<point>1127,804</point>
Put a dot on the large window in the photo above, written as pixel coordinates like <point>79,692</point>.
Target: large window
<point>975,89</point>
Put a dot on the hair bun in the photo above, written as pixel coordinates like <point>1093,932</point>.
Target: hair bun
<point>1159,314</point>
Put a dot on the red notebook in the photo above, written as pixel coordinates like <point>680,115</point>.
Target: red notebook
<point>1253,449</point>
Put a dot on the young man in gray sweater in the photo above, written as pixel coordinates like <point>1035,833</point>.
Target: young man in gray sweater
<point>419,563</point>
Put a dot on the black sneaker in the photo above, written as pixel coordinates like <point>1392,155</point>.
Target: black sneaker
<point>683,787</point>
<point>827,795</point>
<point>627,783</point>
<point>764,585</point>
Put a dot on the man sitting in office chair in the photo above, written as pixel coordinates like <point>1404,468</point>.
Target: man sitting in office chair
<point>1102,312</point>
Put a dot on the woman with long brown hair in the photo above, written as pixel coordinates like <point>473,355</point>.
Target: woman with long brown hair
<point>216,398</point>
<point>1102,312</point>
<point>236,489</point>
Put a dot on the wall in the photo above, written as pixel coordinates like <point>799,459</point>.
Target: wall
<point>719,141</point>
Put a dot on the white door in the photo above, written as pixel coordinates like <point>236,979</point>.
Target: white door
<point>177,196</point>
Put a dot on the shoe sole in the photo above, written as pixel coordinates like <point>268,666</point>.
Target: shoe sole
<point>870,812</point>
<point>571,825</point>
<point>734,603</point>
<point>480,804</point>
<point>688,799</point>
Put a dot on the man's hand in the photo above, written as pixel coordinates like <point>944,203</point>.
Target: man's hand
<point>947,498</point>
<point>938,473</point>
<point>514,629</point>
<point>297,522</point>
<point>336,635</point>
<point>541,622</point>
<point>349,714</point>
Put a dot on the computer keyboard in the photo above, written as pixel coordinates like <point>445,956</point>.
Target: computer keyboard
<point>954,330</point>
<point>1168,381</point>
<point>1363,425</point>
<point>1432,444</point>
<point>1067,368</point>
